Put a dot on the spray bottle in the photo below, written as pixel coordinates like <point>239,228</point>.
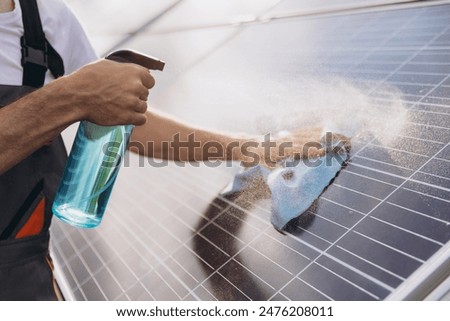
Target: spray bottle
<point>94,161</point>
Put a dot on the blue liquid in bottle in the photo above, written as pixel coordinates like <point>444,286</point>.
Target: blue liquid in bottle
<point>90,173</point>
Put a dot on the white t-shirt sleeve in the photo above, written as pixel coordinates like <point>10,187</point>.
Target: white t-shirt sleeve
<point>62,30</point>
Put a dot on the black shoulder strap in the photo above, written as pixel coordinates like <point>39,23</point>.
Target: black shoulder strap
<point>37,53</point>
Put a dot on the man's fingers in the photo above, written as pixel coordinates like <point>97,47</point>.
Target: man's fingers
<point>139,119</point>
<point>314,152</point>
<point>335,142</point>
<point>141,106</point>
<point>143,93</point>
<point>147,80</point>
<point>305,143</point>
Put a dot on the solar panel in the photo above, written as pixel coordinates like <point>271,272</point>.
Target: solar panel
<point>170,235</point>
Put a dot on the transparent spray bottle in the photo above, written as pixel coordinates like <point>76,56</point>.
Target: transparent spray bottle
<point>94,161</point>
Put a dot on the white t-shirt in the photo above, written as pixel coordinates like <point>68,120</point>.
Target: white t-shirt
<point>61,29</point>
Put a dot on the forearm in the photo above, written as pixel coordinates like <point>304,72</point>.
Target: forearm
<point>32,121</point>
<point>167,138</point>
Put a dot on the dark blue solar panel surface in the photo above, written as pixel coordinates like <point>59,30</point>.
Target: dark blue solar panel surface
<point>169,235</point>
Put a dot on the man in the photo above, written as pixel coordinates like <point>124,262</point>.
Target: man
<point>33,116</point>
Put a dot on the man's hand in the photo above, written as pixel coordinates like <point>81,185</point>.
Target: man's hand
<point>105,92</point>
<point>308,142</point>
<point>110,93</point>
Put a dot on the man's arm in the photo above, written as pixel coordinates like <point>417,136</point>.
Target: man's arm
<point>105,93</point>
<point>165,137</point>
<point>32,121</point>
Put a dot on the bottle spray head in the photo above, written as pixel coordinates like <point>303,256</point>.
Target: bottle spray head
<point>132,56</point>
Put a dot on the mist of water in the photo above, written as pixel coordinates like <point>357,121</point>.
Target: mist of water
<point>338,106</point>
